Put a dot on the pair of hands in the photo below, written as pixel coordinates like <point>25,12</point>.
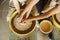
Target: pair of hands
<point>27,9</point>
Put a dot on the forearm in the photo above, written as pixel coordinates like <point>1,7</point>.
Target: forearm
<point>17,6</point>
<point>45,15</point>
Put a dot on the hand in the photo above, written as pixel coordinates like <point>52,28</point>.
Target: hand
<point>27,8</point>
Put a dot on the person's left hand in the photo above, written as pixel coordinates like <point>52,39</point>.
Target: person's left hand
<point>27,9</point>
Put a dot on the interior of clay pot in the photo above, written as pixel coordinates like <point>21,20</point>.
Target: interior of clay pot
<point>22,32</point>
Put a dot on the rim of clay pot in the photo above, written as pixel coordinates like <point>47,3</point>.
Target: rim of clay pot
<point>55,22</point>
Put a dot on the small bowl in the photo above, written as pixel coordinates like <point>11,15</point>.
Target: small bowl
<point>45,24</point>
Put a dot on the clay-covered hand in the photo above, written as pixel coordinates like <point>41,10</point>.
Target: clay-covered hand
<point>27,9</point>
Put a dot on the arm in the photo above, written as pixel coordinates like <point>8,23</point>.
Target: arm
<point>45,15</point>
<point>17,6</point>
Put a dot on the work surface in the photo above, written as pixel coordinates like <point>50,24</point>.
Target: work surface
<point>5,32</point>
